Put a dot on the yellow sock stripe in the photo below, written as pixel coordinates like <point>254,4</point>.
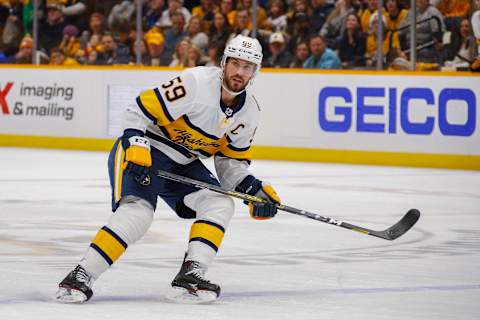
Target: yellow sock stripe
<point>118,173</point>
<point>109,245</point>
<point>207,232</point>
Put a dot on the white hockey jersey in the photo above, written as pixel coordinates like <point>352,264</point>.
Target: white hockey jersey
<point>186,120</point>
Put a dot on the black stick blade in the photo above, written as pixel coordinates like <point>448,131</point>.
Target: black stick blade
<point>402,226</point>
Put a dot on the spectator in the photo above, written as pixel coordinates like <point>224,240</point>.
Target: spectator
<point>155,43</point>
<point>320,11</point>
<point>261,14</point>
<point>13,29</point>
<point>124,36</point>
<point>453,12</point>
<point>389,40</point>
<point>92,58</point>
<point>70,43</point>
<point>4,11</point>
<point>97,23</point>
<point>154,12</point>
<point>333,26</point>
<point>97,26</point>
<point>172,37</point>
<point>196,35</point>
<point>205,9</point>
<point>181,54</point>
<point>351,45</point>
<point>81,56</point>
<point>27,16</point>
<point>74,12</point>
<point>214,54</point>
<point>24,54</point>
<point>58,58</point>
<point>397,60</point>
<point>220,29</point>
<point>141,47</point>
<point>104,6</point>
<point>112,54</point>
<point>122,13</point>
<point>165,21</point>
<point>395,14</point>
<point>227,8</point>
<point>321,56</point>
<point>50,32</point>
<point>301,54</point>
<point>462,51</point>
<point>371,8</point>
<point>300,30</point>
<point>429,33</point>
<point>277,19</point>
<point>94,44</point>
<point>194,57</point>
<point>300,6</point>
<point>280,57</point>
<point>242,22</point>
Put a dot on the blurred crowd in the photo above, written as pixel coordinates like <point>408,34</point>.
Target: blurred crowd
<point>319,34</point>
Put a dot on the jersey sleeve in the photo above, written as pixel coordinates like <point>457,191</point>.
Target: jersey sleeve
<point>233,160</point>
<point>169,101</point>
<point>238,148</point>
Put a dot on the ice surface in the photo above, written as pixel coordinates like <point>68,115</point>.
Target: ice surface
<point>52,203</point>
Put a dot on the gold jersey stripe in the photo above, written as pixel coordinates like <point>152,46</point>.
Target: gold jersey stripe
<point>155,107</point>
<point>209,231</point>
<point>118,172</point>
<point>109,243</point>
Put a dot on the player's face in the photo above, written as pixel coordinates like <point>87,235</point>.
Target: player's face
<point>237,73</point>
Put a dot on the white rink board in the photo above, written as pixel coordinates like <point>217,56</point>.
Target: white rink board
<point>362,112</point>
<point>292,116</point>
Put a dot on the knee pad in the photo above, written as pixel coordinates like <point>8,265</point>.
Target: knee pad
<point>132,219</point>
<point>211,206</point>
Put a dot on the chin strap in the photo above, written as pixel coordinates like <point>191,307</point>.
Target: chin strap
<point>233,93</point>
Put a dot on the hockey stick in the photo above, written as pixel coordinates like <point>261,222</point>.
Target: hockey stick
<point>392,233</point>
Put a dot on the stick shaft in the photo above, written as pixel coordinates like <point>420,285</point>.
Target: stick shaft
<point>389,234</point>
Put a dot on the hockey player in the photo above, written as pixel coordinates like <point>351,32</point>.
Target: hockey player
<point>203,112</point>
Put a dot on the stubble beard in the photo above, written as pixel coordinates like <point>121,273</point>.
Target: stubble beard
<point>233,86</point>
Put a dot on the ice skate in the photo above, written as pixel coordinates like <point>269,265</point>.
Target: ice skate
<point>190,286</point>
<point>76,287</point>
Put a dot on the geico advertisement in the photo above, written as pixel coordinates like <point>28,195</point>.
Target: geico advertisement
<point>48,102</point>
<point>427,114</point>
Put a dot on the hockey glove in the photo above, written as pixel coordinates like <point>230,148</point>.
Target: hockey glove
<point>260,211</point>
<point>138,159</point>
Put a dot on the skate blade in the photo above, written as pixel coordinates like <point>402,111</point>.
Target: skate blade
<point>65,295</point>
<point>183,296</point>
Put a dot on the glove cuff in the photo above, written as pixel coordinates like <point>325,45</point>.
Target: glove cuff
<point>249,185</point>
<point>127,134</point>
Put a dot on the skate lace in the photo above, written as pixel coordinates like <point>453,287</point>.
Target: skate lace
<point>197,272</point>
<point>81,275</point>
